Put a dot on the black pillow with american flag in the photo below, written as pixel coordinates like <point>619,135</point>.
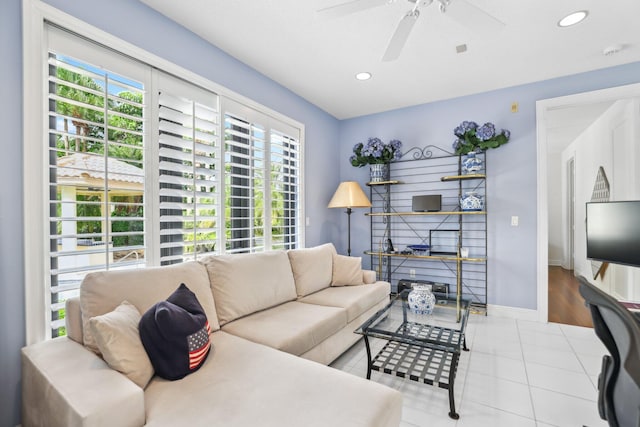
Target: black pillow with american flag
<point>175,334</point>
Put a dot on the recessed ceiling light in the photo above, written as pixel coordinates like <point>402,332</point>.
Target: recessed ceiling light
<point>363,76</point>
<point>573,18</point>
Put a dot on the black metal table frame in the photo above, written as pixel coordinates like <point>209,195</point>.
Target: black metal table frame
<point>434,349</point>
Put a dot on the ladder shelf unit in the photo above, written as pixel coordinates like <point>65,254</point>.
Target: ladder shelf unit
<point>395,226</point>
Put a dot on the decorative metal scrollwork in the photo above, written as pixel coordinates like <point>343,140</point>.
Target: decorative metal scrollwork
<point>423,153</point>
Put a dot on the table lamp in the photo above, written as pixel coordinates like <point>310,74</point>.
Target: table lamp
<point>349,195</point>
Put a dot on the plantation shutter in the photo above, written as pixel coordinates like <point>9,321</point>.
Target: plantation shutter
<point>116,201</point>
<point>262,181</point>
<point>96,165</point>
<point>189,172</point>
<point>244,184</point>
<point>285,190</point>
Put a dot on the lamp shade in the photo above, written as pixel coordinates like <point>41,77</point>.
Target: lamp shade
<point>349,195</point>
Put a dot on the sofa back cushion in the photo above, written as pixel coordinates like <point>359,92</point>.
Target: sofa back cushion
<point>245,283</point>
<point>312,268</point>
<point>103,291</point>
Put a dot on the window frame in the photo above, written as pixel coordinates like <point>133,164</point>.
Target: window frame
<point>35,17</point>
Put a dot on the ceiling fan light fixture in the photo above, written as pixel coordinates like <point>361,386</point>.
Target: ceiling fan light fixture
<point>363,76</point>
<point>573,18</point>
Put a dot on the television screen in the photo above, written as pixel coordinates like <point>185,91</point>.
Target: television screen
<point>613,232</point>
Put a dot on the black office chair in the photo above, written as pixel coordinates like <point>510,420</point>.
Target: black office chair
<point>619,380</point>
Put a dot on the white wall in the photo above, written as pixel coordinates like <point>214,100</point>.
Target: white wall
<point>611,142</point>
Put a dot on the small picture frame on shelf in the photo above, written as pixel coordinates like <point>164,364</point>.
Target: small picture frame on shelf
<point>443,242</point>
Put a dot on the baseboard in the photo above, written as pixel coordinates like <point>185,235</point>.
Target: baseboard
<point>555,262</point>
<point>512,312</point>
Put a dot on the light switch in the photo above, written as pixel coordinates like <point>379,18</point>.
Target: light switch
<point>514,221</point>
<point>307,221</point>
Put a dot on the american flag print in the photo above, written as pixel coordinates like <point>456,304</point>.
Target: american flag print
<point>199,345</point>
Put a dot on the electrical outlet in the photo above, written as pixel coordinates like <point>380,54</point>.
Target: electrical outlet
<point>514,221</point>
<point>412,273</point>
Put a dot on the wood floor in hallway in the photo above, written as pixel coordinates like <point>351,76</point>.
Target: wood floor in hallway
<point>566,306</point>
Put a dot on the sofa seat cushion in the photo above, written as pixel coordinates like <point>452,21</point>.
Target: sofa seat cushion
<point>355,299</point>
<point>246,384</point>
<point>243,284</point>
<point>293,327</point>
<point>103,291</point>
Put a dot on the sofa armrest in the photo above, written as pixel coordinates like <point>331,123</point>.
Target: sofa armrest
<point>65,384</point>
<point>73,319</point>
<point>368,277</point>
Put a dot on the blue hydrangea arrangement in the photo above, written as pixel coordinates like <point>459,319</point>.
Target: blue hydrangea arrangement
<point>375,152</point>
<point>471,137</point>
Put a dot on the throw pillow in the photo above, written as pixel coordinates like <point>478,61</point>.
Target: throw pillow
<point>311,268</point>
<point>175,334</point>
<point>346,270</point>
<point>116,334</point>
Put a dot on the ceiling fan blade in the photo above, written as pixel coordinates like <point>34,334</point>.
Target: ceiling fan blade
<point>350,7</point>
<point>473,17</point>
<point>399,38</point>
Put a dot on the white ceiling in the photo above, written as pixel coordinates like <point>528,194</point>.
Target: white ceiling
<point>565,124</point>
<point>317,57</point>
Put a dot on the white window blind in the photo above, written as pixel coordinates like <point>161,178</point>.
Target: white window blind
<point>262,181</point>
<point>244,185</point>
<point>188,170</point>
<point>285,190</point>
<point>96,169</point>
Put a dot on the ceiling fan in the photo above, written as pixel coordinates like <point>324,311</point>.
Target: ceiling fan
<point>460,10</point>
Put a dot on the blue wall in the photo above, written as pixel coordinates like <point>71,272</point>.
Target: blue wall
<point>11,274</point>
<point>511,183</point>
<point>511,174</point>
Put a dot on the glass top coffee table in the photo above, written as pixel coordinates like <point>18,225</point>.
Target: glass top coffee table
<point>422,348</point>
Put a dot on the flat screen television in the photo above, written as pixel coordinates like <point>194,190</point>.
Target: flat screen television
<point>613,232</point>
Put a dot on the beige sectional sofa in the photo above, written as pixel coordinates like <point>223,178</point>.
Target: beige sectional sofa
<point>272,315</point>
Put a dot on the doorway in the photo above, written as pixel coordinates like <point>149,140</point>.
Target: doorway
<point>546,113</point>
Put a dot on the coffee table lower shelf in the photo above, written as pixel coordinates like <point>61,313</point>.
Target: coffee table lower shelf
<point>416,363</point>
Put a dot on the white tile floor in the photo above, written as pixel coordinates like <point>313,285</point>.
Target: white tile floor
<point>517,373</point>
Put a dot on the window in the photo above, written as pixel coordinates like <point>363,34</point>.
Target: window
<point>96,171</point>
<point>285,190</point>
<point>139,171</point>
<point>188,170</point>
<point>262,177</point>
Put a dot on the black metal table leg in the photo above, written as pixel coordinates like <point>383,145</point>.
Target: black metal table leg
<point>369,361</point>
<point>452,404</point>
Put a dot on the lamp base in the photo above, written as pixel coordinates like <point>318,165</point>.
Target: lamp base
<point>348,231</point>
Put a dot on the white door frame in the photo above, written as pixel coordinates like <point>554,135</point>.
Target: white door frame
<point>542,106</point>
<point>571,204</point>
